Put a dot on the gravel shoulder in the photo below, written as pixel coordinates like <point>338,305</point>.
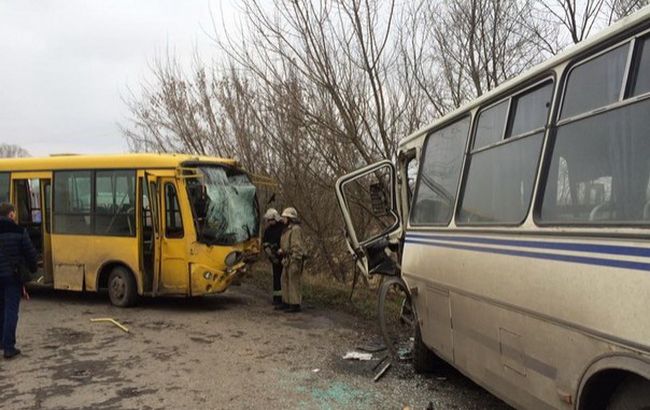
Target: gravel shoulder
<point>227,351</point>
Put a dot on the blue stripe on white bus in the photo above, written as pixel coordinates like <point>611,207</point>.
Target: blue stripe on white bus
<point>564,246</point>
<point>625,264</point>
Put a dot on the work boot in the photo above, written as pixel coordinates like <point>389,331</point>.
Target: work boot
<point>293,309</point>
<point>282,306</point>
<point>10,354</point>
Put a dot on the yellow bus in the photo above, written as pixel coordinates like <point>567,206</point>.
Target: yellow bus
<point>521,222</point>
<point>135,224</point>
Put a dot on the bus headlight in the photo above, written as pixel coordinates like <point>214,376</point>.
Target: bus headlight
<point>232,258</point>
<point>207,275</point>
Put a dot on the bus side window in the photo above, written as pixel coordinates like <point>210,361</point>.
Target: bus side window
<point>438,182</point>
<point>173,219</point>
<point>642,78</point>
<point>595,83</point>
<point>599,170</point>
<point>4,187</point>
<point>72,200</point>
<point>500,178</point>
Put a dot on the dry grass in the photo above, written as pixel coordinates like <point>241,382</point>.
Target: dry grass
<point>323,291</point>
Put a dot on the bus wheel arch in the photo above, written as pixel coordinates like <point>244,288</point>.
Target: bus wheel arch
<point>603,379</point>
<point>120,281</point>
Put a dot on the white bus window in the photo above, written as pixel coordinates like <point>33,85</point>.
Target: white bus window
<point>600,169</point>
<point>491,123</point>
<point>530,110</point>
<point>596,83</point>
<point>500,179</point>
<point>72,199</point>
<point>115,203</point>
<point>500,183</point>
<point>438,181</point>
<point>642,80</point>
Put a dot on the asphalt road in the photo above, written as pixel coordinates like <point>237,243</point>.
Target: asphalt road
<point>223,352</point>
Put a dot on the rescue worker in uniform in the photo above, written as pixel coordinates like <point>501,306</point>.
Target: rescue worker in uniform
<point>271,244</point>
<point>293,252</point>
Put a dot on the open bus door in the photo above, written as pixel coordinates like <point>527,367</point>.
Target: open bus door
<point>168,261</point>
<point>368,202</point>
<point>32,197</point>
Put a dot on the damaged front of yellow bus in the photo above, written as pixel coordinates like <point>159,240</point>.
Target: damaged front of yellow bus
<point>226,222</point>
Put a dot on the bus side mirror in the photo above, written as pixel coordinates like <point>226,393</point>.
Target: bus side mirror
<point>379,200</point>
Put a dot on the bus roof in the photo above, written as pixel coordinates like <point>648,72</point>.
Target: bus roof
<point>612,31</point>
<point>113,161</point>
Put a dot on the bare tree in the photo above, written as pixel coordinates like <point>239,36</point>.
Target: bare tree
<point>12,151</point>
<point>580,18</point>
<point>458,50</point>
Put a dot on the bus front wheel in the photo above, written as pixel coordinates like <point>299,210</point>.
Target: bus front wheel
<point>122,289</point>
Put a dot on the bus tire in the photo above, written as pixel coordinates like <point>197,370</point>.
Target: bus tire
<point>633,393</point>
<point>385,288</point>
<point>122,288</point>
<point>424,360</point>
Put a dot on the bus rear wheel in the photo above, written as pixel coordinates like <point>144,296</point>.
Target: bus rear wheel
<point>633,393</point>
<point>122,289</point>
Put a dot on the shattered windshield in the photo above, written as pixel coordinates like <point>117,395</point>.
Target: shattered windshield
<point>225,206</point>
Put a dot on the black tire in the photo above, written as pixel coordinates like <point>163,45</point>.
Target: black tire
<point>396,333</point>
<point>632,394</point>
<point>122,288</point>
<point>424,360</point>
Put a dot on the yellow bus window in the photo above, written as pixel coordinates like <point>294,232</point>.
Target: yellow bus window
<point>173,219</point>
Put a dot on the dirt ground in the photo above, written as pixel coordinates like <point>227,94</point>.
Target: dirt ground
<point>223,352</point>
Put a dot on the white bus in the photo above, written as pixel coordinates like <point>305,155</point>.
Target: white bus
<point>523,232</point>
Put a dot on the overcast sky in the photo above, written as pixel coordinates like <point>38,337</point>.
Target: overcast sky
<point>64,65</point>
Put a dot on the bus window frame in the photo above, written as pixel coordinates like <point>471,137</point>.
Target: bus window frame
<point>423,155</point>
<point>584,59</point>
<point>93,193</point>
<point>549,76</point>
<point>55,230</point>
<point>179,210</point>
<point>549,144</point>
<point>9,179</point>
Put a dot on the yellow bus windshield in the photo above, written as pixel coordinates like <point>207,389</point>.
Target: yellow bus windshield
<point>224,204</point>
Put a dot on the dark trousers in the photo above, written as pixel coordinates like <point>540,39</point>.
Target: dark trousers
<point>277,283</point>
<point>10,294</point>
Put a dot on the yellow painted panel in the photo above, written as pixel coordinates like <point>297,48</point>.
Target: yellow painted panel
<point>68,276</point>
<point>92,252</point>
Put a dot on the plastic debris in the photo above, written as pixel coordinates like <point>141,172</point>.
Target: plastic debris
<point>111,320</point>
<point>357,356</point>
<point>315,370</point>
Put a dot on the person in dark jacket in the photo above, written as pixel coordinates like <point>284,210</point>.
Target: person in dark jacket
<point>271,244</point>
<point>15,249</point>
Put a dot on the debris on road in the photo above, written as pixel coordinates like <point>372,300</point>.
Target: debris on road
<point>379,362</point>
<point>111,320</point>
<point>315,370</point>
<point>382,372</point>
<point>372,348</point>
<point>357,356</point>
